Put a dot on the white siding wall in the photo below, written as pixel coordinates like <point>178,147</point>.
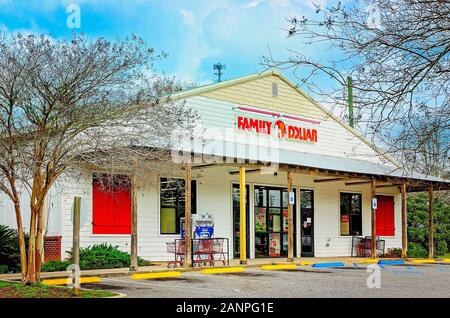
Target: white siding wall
<point>214,197</point>
<point>333,139</point>
<point>8,215</point>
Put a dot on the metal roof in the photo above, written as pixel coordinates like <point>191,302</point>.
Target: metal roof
<point>255,153</point>
<point>391,169</point>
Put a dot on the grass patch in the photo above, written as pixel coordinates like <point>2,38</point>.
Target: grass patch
<point>445,256</point>
<point>17,290</point>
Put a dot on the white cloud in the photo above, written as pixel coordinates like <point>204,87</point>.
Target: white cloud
<point>253,4</point>
<point>188,17</point>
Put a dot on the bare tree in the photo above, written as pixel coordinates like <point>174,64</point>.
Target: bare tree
<point>398,54</point>
<point>11,83</point>
<point>77,104</point>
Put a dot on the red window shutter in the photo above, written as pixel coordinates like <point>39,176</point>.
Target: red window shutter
<point>380,216</point>
<point>385,216</point>
<point>122,212</point>
<point>102,211</point>
<point>111,211</point>
<point>389,217</point>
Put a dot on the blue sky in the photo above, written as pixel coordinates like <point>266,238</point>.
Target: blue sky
<point>195,33</point>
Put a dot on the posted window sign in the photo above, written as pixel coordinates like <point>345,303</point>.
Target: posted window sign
<point>374,203</point>
<point>292,197</point>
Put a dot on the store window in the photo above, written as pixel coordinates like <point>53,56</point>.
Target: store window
<point>271,221</point>
<point>172,195</point>
<point>351,214</point>
<point>111,204</point>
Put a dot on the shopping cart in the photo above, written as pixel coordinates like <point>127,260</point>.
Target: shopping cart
<point>208,251</point>
<point>362,246</point>
<point>202,252</point>
<point>219,250</point>
<point>178,249</point>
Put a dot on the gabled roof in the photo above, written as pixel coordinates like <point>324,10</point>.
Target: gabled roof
<point>272,72</point>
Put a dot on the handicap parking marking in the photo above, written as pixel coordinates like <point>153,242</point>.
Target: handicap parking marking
<point>153,283</point>
<point>441,269</point>
<point>401,270</point>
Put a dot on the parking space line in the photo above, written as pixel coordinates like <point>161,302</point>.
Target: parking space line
<point>222,270</point>
<point>156,275</point>
<point>278,267</point>
<point>162,285</point>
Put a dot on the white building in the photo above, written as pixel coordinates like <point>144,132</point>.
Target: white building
<point>266,124</point>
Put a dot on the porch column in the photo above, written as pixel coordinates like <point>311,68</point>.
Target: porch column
<point>290,221</point>
<point>187,214</point>
<point>133,245</point>
<point>242,219</point>
<point>374,220</point>
<point>430,222</point>
<point>404,228</point>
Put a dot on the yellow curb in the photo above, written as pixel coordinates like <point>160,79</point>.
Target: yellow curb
<point>365,261</point>
<point>156,275</point>
<point>447,260</point>
<point>65,281</point>
<point>422,261</point>
<point>61,281</point>
<point>280,266</point>
<point>306,263</point>
<point>223,270</point>
<point>87,280</point>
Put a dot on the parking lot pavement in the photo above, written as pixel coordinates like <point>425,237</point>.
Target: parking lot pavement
<point>396,281</point>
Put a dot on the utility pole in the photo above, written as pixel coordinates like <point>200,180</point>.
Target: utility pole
<point>219,67</point>
<point>76,246</point>
<point>350,102</point>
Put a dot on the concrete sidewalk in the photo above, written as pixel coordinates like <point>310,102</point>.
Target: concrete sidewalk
<point>162,266</point>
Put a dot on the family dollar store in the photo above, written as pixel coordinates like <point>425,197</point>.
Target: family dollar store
<point>280,175</point>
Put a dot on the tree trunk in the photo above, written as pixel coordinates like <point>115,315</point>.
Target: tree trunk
<point>22,247</point>
<point>134,238</point>
<point>45,212</point>
<point>39,241</point>
<point>31,273</point>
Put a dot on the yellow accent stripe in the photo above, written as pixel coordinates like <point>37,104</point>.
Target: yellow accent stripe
<point>156,275</point>
<point>306,263</point>
<point>87,280</point>
<point>280,266</point>
<point>223,270</point>
<point>61,281</point>
<point>65,281</point>
<point>365,261</point>
<point>423,261</point>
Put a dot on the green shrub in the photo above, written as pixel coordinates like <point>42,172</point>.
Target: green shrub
<point>103,256</point>
<point>9,249</point>
<point>55,266</point>
<point>393,253</point>
<point>418,228</point>
<point>3,269</point>
<point>416,250</point>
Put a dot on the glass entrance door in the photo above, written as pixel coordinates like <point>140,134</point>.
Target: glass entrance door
<point>271,221</point>
<point>307,222</point>
<point>236,218</point>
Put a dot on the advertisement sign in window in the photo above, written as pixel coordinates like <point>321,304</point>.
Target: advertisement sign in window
<point>345,224</point>
<point>285,220</point>
<point>274,245</point>
<point>260,220</point>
